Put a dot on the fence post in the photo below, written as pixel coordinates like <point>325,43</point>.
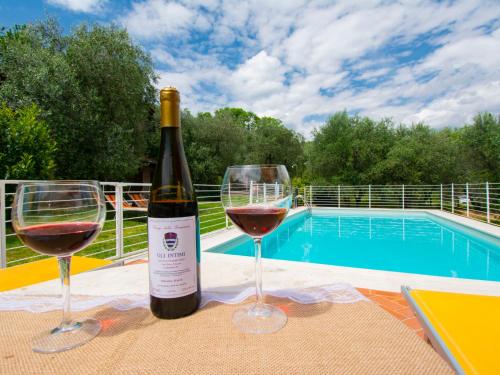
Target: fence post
<point>452,198</point>
<point>403,196</point>
<point>487,202</point>
<point>264,193</point>
<point>370,196</point>
<point>3,228</point>
<point>310,195</point>
<point>251,191</point>
<point>304,197</point>
<point>119,219</point>
<point>467,196</point>
<point>441,197</point>
<point>338,196</point>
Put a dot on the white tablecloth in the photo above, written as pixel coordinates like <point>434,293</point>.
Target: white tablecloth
<point>226,279</point>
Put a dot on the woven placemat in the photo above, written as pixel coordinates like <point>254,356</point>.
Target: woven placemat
<point>324,338</point>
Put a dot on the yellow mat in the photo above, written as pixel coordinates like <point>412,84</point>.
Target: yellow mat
<point>469,326</point>
<point>43,270</point>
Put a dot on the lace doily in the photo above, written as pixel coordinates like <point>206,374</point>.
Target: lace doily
<point>333,293</point>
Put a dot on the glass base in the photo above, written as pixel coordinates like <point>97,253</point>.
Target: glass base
<point>67,337</point>
<point>261,318</point>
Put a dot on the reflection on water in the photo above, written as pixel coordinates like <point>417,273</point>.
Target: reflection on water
<point>404,244</point>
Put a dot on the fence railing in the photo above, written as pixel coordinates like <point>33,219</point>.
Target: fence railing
<point>125,230</point>
<point>479,201</point>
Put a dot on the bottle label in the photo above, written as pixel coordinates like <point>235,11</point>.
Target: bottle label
<point>172,256</point>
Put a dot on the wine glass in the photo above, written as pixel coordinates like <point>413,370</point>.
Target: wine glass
<point>59,218</point>
<point>257,199</point>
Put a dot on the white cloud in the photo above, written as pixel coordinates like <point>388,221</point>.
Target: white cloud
<point>85,6</point>
<point>207,4</point>
<point>300,58</point>
<point>468,51</point>
<point>260,76</point>
<point>189,86</point>
<point>460,106</point>
<point>373,74</point>
<point>191,75</point>
<point>156,19</point>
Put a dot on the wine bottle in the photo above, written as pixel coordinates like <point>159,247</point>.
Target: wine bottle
<point>173,222</point>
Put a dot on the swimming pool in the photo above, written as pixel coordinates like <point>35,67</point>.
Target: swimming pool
<point>415,242</point>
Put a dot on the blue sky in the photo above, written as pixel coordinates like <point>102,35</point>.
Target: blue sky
<point>431,61</point>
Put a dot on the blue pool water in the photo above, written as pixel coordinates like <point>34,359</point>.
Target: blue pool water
<point>415,243</point>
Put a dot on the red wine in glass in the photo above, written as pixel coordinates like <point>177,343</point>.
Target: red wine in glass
<point>257,221</point>
<point>59,218</point>
<point>59,238</point>
<point>257,198</point>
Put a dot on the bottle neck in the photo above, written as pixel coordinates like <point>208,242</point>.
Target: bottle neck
<point>170,134</point>
<point>171,148</point>
<point>172,178</point>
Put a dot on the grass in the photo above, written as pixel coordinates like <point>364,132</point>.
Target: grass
<point>135,237</point>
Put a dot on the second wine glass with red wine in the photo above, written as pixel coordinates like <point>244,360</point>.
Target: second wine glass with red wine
<point>257,199</point>
<point>60,218</point>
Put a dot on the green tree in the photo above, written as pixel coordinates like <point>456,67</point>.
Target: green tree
<point>271,142</point>
<point>115,77</point>
<point>239,117</point>
<point>94,88</point>
<point>420,155</point>
<point>481,149</point>
<point>26,147</point>
<point>347,148</point>
<point>212,142</point>
<point>235,136</point>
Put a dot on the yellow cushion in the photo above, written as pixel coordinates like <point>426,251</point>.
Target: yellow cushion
<point>43,270</point>
<point>468,324</point>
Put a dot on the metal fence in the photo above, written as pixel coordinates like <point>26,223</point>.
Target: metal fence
<point>479,201</point>
<point>125,234</point>
<point>125,230</point>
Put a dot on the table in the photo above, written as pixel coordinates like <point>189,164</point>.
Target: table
<point>321,338</point>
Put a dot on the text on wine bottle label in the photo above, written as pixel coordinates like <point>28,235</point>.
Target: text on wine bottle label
<point>172,256</point>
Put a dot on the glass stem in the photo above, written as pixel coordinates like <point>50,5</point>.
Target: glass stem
<point>64,270</point>
<point>258,271</point>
